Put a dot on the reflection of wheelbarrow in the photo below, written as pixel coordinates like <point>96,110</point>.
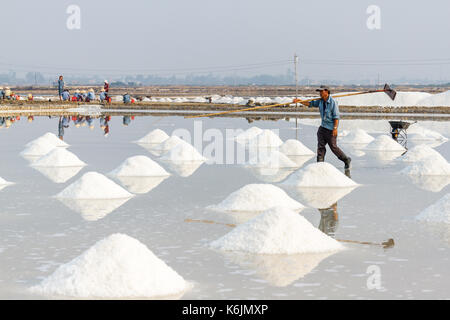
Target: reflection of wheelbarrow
<point>398,131</point>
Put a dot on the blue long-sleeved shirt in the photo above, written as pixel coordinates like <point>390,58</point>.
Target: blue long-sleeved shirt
<point>329,111</point>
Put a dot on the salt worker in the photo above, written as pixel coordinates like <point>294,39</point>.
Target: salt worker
<point>90,95</point>
<point>328,130</point>
<point>102,95</point>
<point>60,87</point>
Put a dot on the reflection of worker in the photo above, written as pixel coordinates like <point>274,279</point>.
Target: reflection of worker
<point>329,220</point>
<point>63,123</point>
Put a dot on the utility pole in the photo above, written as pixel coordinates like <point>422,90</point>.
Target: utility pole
<point>296,77</point>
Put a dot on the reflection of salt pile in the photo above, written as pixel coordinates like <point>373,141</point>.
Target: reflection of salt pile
<point>257,197</point>
<point>59,174</point>
<point>139,166</point>
<point>419,153</point>
<point>4,183</point>
<point>271,175</point>
<point>271,159</point>
<point>93,210</point>
<point>249,134</point>
<point>183,151</point>
<point>37,148</point>
<point>116,267</point>
<point>59,157</point>
<point>267,138</point>
<point>155,137</point>
<point>279,270</point>
<point>277,231</point>
<point>49,137</point>
<point>358,136</point>
<point>420,133</point>
<point>168,144</point>
<point>183,168</point>
<point>384,143</point>
<point>322,198</point>
<point>293,147</point>
<point>430,166</point>
<point>140,185</point>
<point>93,185</point>
<point>430,183</point>
<point>319,174</point>
<point>438,212</point>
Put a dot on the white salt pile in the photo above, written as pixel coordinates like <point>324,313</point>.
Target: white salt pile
<point>430,166</point>
<point>139,166</point>
<point>3,182</point>
<point>116,267</point>
<point>93,210</point>
<point>50,138</point>
<point>59,157</point>
<point>93,185</point>
<point>278,230</point>
<point>154,137</point>
<point>419,153</point>
<point>438,212</point>
<point>322,198</point>
<point>184,168</point>
<point>271,159</point>
<point>293,147</point>
<point>319,174</point>
<point>420,133</point>
<point>430,183</point>
<point>38,148</point>
<point>168,144</point>
<point>140,185</point>
<point>267,138</point>
<point>249,134</point>
<point>257,197</point>
<point>183,151</point>
<point>358,136</point>
<point>59,174</point>
<point>384,143</point>
<point>436,100</point>
<point>381,99</point>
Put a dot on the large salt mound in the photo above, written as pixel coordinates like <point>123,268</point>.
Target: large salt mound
<point>155,137</point>
<point>436,100</point>
<point>59,174</point>
<point>437,212</point>
<point>271,159</point>
<point>50,138</point>
<point>116,267</point>
<point>168,144</point>
<point>384,143</point>
<point>38,148</point>
<point>139,166</point>
<point>319,174</point>
<point>257,197</point>
<point>183,151</point>
<point>293,147</point>
<point>381,99</point>
<point>419,153</point>
<point>59,157</point>
<point>249,134</point>
<point>358,136</point>
<point>423,134</point>
<point>267,138</point>
<point>277,231</point>
<point>430,166</point>
<point>93,185</point>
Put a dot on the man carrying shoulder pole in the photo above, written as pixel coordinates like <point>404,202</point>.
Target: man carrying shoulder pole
<point>328,130</point>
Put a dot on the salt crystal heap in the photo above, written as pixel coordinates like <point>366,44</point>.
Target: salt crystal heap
<point>154,137</point>
<point>384,143</point>
<point>168,144</point>
<point>59,157</point>
<point>277,231</point>
<point>267,138</point>
<point>139,166</point>
<point>293,147</point>
<point>116,267</point>
<point>51,138</point>
<point>271,159</point>
<point>93,185</point>
<point>434,165</point>
<point>257,197</point>
<point>247,135</point>
<point>37,148</point>
<point>358,136</point>
<point>319,174</point>
<point>419,153</point>
<point>438,212</point>
<point>183,151</point>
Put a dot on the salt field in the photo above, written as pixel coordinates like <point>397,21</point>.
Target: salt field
<point>136,214</point>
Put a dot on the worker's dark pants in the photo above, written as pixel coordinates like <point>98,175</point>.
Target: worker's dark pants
<point>324,137</point>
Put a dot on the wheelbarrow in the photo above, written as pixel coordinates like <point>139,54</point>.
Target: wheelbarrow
<point>398,131</point>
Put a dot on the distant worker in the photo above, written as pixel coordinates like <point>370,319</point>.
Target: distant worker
<point>66,95</point>
<point>106,86</point>
<point>126,98</point>
<point>126,120</point>
<point>83,95</point>
<point>2,93</point>
<point>30,97</point>
<point>328,130</point>
<point>76,95</point>
<point>7,93</point>
<point>90,95</point>
<point>60,87</point>
<point>102,95</point>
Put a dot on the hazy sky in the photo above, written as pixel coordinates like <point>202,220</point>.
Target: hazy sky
<point>179,36</point>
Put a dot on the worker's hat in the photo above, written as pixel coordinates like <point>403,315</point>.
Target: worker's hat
<point>321,88</point>
<point>77,91</point>
<point>103,90</point>
<point>91,90</point>
<point>106,81</point>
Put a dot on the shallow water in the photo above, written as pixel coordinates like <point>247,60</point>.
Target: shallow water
<point>39,232</point>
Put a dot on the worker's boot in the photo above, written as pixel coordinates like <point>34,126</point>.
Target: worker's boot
<point>320,159</point>
<point>347,163</point>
